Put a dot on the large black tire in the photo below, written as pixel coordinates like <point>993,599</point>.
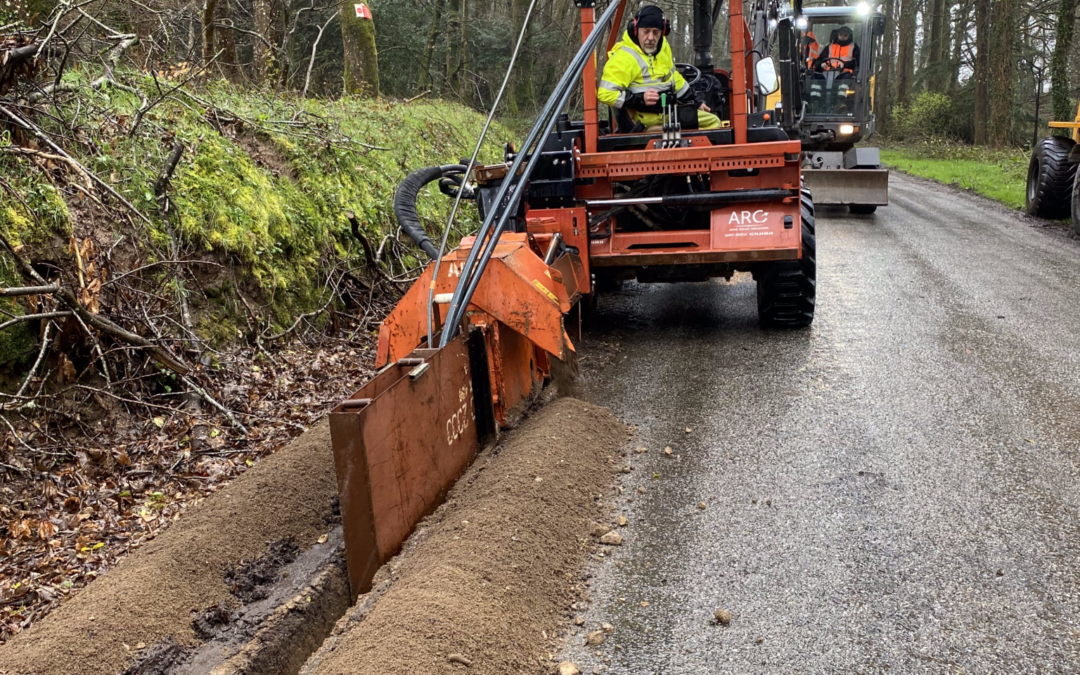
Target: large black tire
<point>787,290</point>
<point>1050,178</point>
<point>1076,205</point>
<point>862,209</point>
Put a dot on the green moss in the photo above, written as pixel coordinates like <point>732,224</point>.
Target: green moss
<point>267,193</point>
<point>17,343</point>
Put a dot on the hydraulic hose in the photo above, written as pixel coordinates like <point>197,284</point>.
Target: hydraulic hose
<point>405,203</point>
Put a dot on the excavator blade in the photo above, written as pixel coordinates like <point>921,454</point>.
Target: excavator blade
<point>848,186</point>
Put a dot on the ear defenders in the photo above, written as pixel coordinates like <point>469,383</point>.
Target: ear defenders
<point>632,28</point>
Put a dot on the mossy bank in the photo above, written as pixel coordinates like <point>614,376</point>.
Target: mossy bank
<point>261,188</point>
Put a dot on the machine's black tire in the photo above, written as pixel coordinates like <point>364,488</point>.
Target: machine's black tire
<point>1076,205</point>
<point>787,290</point>
<point>1050,178</point>
<point>862,209</point>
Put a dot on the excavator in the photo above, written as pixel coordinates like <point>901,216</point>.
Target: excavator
<point>579,204</point>
<point>838,96</point>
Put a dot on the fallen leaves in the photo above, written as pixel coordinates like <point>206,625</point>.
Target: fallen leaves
<point>77,514</point>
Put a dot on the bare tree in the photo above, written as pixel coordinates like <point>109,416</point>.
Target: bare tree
<point>981,75</point>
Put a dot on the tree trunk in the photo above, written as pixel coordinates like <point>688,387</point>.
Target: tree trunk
<point>1002,73</point>
<point>882,95</point>
<point>932,34</point>
<point>1063,110</point>
<point>361,57</point>
<point>433,35</point>
<point>905,62</point>
<point>209,16</point>
<point>263,56</point>
<point>463,49</point>
<point>453,43</point>
<point>226,39</point>
<point>981,75</point>
<point>963,17</point>
<point>944,64</point>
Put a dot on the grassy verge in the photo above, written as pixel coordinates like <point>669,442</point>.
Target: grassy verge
<point>999,175</point>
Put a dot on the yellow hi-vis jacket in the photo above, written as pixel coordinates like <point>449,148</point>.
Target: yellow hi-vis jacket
<point>629,70</point>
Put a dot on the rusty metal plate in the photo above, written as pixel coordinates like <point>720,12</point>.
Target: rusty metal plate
<point>399,444</point>
<point>848,186</point>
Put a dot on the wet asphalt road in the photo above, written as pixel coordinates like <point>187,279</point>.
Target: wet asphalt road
<point>895,490</point>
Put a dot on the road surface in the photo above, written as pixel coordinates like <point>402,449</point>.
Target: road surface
<point>895,490</point>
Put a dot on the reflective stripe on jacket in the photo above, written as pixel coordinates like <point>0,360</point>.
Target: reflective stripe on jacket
<point>629,70</point>
<point>844,52</point>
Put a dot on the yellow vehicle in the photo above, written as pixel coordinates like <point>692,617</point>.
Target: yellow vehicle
<point>1052,190</point>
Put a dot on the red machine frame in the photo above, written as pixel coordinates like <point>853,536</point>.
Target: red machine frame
<point>402,440</point>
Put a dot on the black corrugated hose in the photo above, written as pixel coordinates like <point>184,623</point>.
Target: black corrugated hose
<point>453,179</point>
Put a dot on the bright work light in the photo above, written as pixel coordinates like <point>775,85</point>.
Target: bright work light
<point>847,129</point>
<point>862,8</point>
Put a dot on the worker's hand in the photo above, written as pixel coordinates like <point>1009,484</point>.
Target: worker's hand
<point>652,97</point>
<point>704,108</point>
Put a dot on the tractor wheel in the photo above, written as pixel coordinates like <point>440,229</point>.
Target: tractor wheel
<point>1076,205</point>
<point>786,290</point>
<point>1050,178</point>
<point>862,209</point>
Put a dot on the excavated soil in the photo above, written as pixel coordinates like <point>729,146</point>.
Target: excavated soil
<point>142,615</point>
<point>497,567</point>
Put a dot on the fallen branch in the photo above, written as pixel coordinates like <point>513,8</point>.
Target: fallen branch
<point>418,96</point>
<point>159,353</point>
<point>37,363</point>
<point>162,182</point>
<point>27,290</point>
<point>213,402</point>
<point>40,135</point>
<point>16,150</point>
<point>34,317</point>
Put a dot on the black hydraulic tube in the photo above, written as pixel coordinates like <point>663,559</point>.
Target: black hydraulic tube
<point>700,198</point>
<point>477,259</point>
<point>405,204</point>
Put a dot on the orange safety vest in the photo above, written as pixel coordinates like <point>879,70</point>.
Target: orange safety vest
<point>814,50</point>
<point>836,51</point>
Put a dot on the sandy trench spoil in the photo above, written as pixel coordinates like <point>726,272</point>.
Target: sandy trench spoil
<point>489,580</point>
<point>493,577</point>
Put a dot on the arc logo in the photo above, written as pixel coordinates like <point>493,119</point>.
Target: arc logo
<point>758,217</point>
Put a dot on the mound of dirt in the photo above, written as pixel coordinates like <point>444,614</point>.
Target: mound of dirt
<point>136,615</point>
<point>496,565</point>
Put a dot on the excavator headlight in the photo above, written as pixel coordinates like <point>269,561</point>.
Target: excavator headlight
<point>847,129</point>
<point>801,23</point>
<point>862,8</point>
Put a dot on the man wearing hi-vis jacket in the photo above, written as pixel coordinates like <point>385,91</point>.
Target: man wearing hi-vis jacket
<point>640,68</point>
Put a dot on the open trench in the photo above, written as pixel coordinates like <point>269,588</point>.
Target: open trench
<point>253,581</point>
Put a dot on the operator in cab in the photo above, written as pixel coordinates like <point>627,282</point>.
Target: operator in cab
<point>640,68</point>
<point>842,54</point>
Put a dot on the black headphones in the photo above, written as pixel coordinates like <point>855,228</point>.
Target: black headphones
<point>632,28</point>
